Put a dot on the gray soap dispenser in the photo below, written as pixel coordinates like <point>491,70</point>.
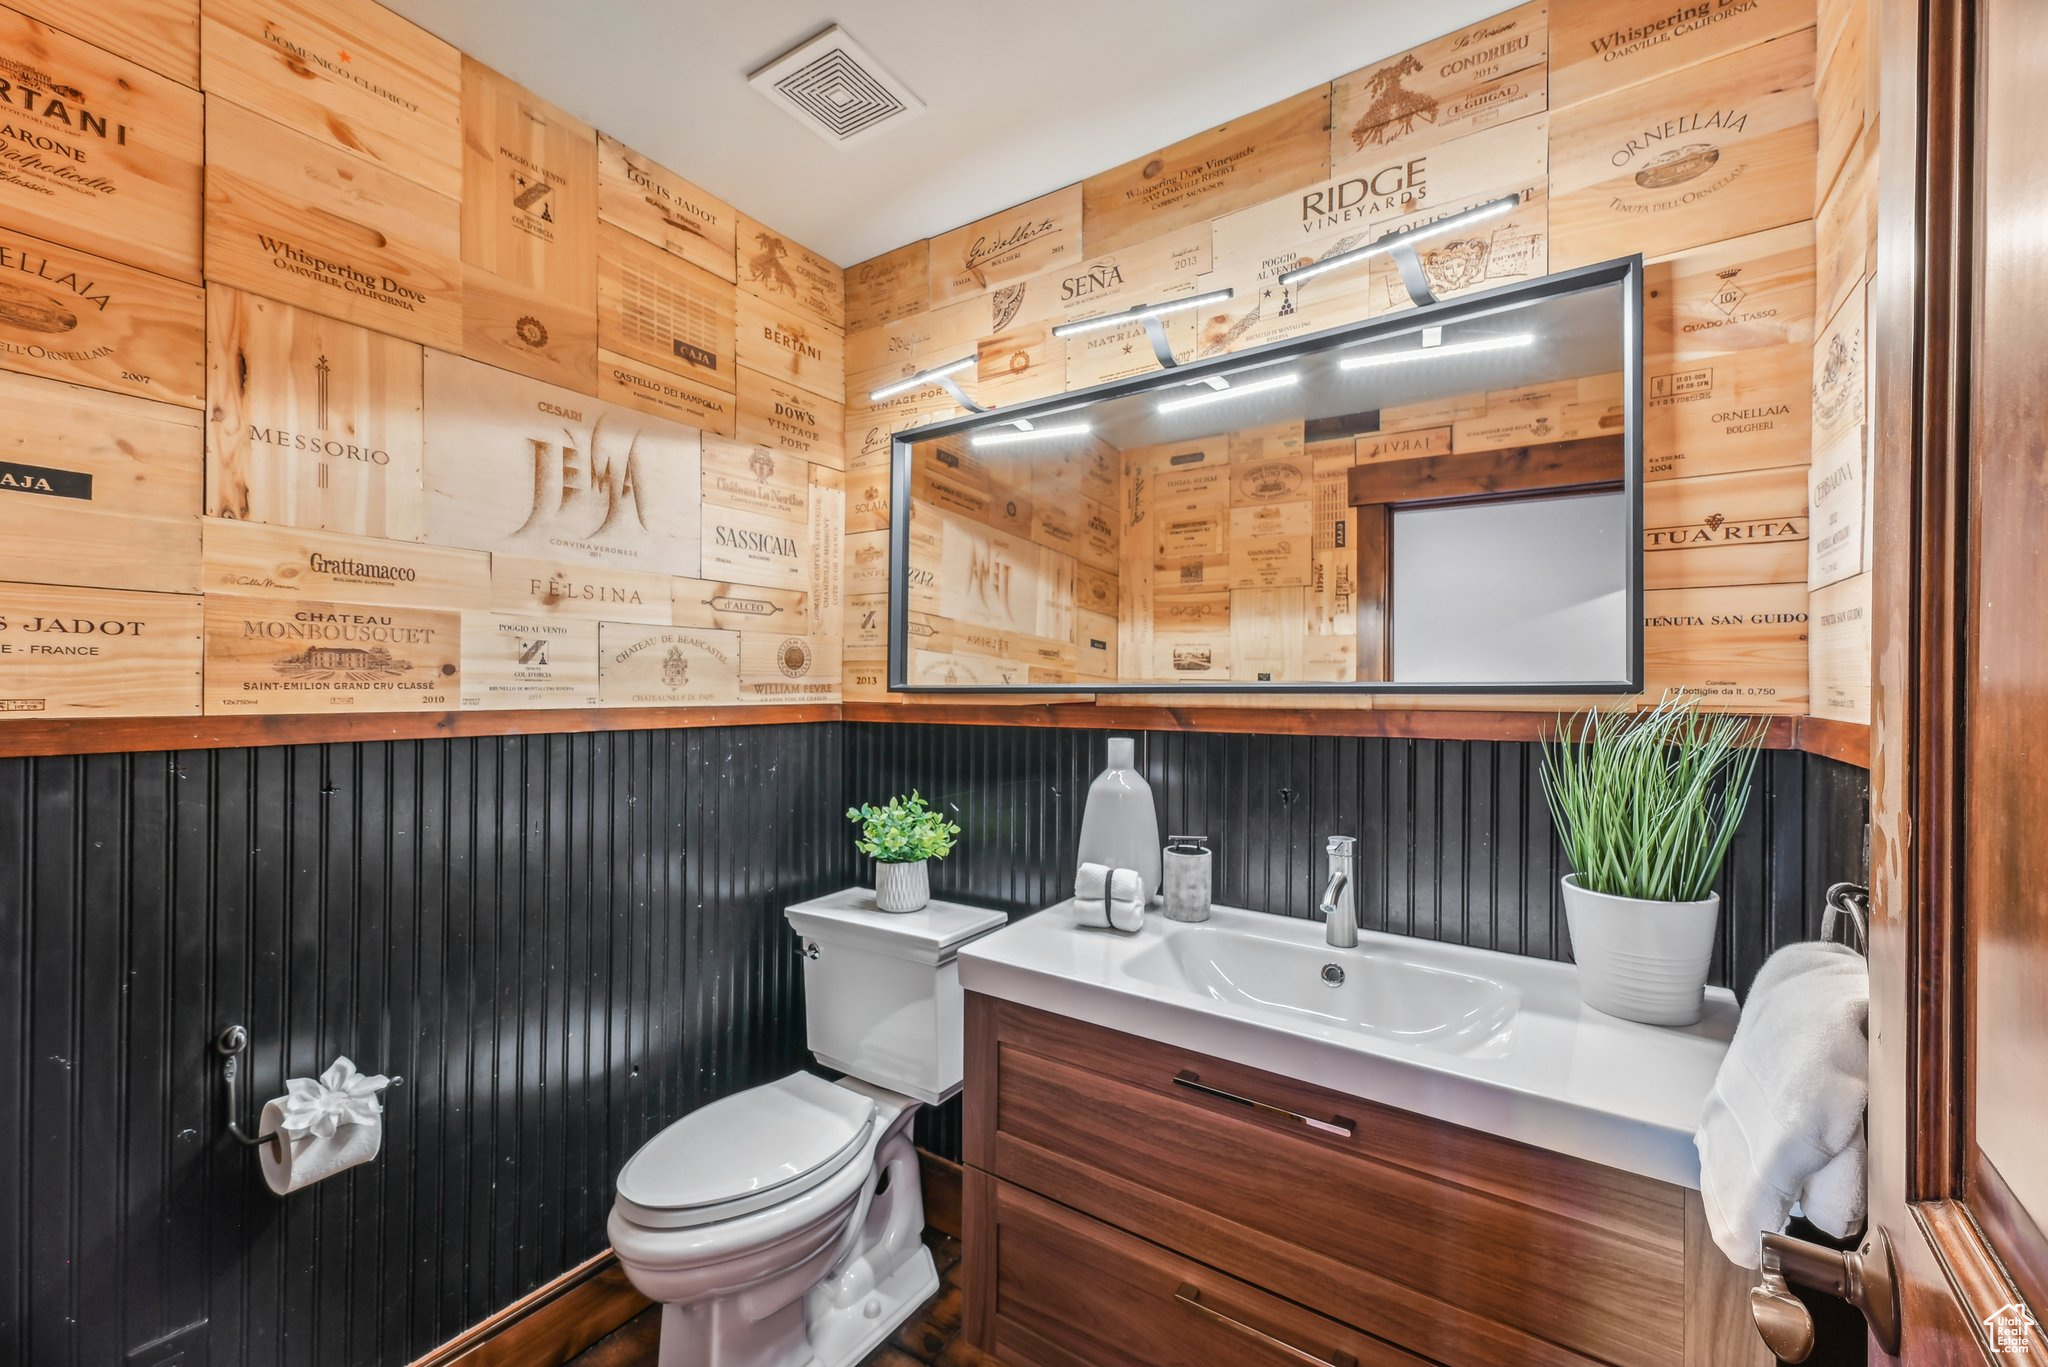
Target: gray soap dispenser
<point>1187,878</point>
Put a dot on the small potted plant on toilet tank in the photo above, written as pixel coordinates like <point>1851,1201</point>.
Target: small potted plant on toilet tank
<point>1647,804</point>
<point>900,838</point>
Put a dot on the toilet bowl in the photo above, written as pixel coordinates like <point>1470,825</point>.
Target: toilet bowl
<point>815,1264</point>
<point>783,1226</point>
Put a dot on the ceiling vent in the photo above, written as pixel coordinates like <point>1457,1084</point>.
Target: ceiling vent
<point>832,86</point>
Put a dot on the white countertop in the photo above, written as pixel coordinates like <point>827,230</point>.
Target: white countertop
<point>1556,1074</point>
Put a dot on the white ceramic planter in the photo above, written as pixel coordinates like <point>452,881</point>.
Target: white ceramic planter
<point>1641,960</point>
<point>902,887</point>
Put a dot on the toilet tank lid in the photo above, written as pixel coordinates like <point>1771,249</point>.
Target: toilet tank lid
<point>933,935</point>
<point>765,1140</point>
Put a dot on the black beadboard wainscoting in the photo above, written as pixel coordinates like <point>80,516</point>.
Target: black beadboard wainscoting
<point>565,942</point>
<point>1455,841</point>
<point>561,942</point>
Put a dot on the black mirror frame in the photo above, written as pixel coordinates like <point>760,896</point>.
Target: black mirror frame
<point>1626,272</point>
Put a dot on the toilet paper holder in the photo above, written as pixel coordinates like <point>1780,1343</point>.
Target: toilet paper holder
<point>231,1044</point>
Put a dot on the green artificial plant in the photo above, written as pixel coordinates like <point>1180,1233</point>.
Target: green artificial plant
<point>1648,802</point>
<point>903,832</point>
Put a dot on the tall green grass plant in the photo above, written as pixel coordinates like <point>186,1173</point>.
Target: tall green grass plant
<point>1647,802</point>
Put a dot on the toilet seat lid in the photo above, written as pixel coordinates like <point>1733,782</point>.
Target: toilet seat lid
<point>750,1149</point>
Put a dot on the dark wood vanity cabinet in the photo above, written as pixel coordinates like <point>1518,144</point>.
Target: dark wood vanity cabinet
<point>1125,1205</point>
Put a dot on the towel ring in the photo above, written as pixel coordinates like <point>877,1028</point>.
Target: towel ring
<point>1850,902</point>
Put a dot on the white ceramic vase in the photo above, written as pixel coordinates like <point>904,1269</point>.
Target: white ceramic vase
<point>1641,960</point>
<point>1120,826</point>
<point>903,887</point>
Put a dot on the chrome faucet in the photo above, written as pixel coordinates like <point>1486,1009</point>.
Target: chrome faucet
<point>1338,906</point>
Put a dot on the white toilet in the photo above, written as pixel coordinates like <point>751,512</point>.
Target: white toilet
<point>782,1226</point>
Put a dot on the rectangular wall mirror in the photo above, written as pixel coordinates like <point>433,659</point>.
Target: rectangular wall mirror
<point>1444,499</point>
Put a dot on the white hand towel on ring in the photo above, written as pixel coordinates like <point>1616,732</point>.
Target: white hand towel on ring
<point>1783,1123</point>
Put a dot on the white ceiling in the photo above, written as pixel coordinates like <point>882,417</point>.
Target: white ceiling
<point>1023,97</point>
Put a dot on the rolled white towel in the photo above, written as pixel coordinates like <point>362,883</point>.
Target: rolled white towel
<point>1783,1123</point>
<point>1109,897</point>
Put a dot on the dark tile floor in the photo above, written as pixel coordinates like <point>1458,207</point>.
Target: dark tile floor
<point>930,1339</point>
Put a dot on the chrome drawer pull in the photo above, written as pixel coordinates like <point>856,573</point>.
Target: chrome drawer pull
<point>1336,1124</point>
<point>1191,1297</point>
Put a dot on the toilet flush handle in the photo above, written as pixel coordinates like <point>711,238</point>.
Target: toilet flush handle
<point>809,950</point>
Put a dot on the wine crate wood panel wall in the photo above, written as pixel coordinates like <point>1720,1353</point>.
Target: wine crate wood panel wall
<point>68,315</point>
<point>1733,152</point>
<point>1465,81</point>
<point>663,312</point>
<point>354,76</point>
<point>345,375</point>
<point>162,35</point>
<point>96,489</point>
<point>68,652</point>
<point>1736,158</point>
<point>776,268</point>
<point>529,231</point>
<point>296,219</point>
<point>1841,489</point>
<point>101,153</point>
<point>312,422</point>
<point>359,171</point>
<point>649,200</point>
<point>1378,189</point>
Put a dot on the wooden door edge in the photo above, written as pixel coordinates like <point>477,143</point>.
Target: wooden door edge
<point>1973,1272</point>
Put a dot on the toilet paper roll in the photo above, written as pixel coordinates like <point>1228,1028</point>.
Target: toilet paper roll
<point>308,1160</point>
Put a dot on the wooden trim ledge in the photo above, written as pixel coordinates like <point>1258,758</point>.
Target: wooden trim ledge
<point>1844,741</point>
<point>1274,721</point>
<point>1847,742</point>
<point>113,735</point>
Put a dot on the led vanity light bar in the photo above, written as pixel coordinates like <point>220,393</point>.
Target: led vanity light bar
<point>1141,312</point>
<point>921,379</point>
<point>1236,391</point>
<point>1430,353</point>
<point>1491,209</point>
<point>1001,438</point>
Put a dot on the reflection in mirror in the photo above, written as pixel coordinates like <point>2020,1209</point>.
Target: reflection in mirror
<point>1508,591</point>
<point>1444,499</point>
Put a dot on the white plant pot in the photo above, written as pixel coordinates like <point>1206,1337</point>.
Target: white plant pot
<point>1641,960</point>
<point>902,887</point>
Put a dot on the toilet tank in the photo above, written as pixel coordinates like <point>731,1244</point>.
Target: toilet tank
<point>882,990</point>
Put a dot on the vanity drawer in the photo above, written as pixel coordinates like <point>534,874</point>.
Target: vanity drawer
<point>1458,1246</point>
<point>1071,1291</point>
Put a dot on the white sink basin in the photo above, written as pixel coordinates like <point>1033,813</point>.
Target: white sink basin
<point>1496,1042</point>
<point>1379,993</point>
